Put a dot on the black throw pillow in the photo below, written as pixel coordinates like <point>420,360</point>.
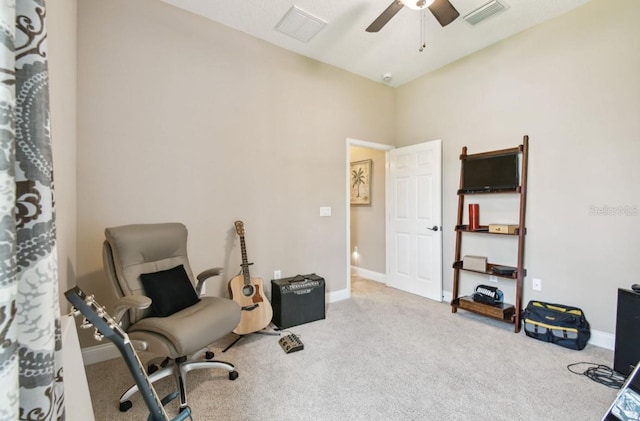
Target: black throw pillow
<point>170,291</point>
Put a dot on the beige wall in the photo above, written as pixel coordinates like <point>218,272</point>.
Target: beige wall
<point>572,85</point>
<point>368,222</point>
<point>62,53</point>
<point>183,119</point>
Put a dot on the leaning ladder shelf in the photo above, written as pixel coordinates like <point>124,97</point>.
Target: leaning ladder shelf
<point>509,313</point>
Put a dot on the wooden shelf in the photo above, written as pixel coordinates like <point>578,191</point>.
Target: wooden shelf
<point>489,271</point>
<point>503,312</point>
<point>484,229</point>
<point>496,191</point>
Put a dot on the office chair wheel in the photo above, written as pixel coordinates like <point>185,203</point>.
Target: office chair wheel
<point>233,375</point>
<point>209,355</point>
<point>125,406</point>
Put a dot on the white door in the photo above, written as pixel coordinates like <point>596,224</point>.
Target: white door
<point>414,215</point>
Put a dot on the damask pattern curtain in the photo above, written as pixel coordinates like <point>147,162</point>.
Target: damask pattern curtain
<point>30,342</point>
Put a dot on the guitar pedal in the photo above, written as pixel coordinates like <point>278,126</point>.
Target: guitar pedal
<point>291,343</point>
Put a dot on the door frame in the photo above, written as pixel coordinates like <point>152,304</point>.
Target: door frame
<point>370,145</point>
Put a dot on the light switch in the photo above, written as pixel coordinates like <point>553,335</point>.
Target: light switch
<point>325,210</point>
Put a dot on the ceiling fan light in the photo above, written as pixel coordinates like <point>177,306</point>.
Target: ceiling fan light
<point>417,4</point>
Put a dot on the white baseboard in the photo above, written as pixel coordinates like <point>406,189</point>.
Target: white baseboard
<point>99,353</point>
<point>369,274</point>
<point>447,296</point>
<point>339,295</point>
<point>603,339</point>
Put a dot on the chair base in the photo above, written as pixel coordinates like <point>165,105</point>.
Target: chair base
<point>179,369</point>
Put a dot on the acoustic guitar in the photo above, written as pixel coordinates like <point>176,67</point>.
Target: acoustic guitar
<point>95,315</point>
<point>248,292</point>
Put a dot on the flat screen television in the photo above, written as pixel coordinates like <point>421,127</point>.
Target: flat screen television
<point>490,173</point>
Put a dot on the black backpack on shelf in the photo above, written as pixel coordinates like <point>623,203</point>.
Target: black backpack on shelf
<point>488,295</point>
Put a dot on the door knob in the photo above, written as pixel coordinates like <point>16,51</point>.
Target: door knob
<point>433,228</point>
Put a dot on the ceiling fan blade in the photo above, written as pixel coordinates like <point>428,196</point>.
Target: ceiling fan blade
<point>385,16</point>
<point>444,12</point>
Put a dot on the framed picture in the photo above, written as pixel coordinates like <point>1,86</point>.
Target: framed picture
<point>361,182</point>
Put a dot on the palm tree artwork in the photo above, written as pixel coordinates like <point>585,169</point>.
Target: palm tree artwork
<point>358,179</point>
<point>361,182</point>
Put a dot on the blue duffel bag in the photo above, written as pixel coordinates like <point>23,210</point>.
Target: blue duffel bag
<point>556,323</point>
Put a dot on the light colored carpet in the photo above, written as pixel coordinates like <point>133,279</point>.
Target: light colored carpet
<point>382,355</point>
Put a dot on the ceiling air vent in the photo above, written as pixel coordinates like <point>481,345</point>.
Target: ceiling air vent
<point>485,11</point>
<point>300,25</point>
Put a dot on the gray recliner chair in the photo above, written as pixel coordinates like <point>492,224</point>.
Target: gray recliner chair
<point>158,306</point>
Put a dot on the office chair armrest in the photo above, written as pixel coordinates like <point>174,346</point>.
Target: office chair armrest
<point>202,277</point>
<point>139,302</point>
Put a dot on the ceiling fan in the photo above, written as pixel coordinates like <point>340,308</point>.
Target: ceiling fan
<point>443,11</point>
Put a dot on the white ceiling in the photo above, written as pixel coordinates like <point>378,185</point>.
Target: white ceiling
<point>344,43</point>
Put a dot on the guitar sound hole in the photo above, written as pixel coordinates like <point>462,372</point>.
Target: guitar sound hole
<point>247,290</point>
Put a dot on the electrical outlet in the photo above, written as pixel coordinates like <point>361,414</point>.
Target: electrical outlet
<point>537,284</point>
<point>325,211</point>
<point>277,274</point>
<point>493,278</point>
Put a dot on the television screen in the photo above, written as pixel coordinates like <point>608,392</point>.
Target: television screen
<point>490,173</point>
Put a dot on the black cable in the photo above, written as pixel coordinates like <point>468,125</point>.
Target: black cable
<point>600,374</point>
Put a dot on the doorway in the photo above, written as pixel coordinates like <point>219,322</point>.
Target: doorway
<point>407,259</point>
<point>371,244</point>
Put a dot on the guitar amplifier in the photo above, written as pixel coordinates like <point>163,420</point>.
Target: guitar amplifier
<point>297,300</point>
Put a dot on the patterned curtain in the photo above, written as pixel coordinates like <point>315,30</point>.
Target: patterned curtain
<point>30,342</point>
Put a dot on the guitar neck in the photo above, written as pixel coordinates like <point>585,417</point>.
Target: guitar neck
<point>142,380</point>
<point>245,261</point>
<point>97,316</point>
